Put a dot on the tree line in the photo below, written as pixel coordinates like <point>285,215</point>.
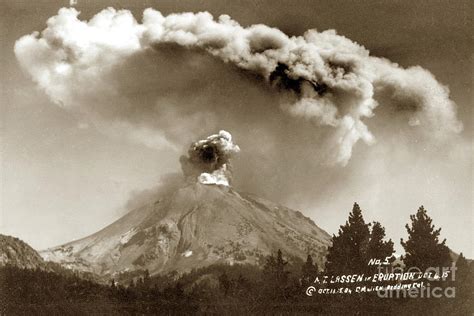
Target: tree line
<point>278,286</point>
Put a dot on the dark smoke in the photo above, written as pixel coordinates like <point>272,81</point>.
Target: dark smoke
<point>208,160</point>
<point>331,80</point>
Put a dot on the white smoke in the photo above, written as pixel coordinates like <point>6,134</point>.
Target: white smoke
<point>208,160</point>
<point>218,177</point>
<point>323,77</point>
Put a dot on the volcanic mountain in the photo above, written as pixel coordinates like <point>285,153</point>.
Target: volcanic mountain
<point>202,221</point>
<point>195,226</point>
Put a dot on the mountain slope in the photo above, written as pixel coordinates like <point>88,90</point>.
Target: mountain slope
<point>195,226</point>
<point>17,253</point>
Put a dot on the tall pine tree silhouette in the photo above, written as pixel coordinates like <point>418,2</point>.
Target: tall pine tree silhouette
<point>347,253</point>
<point>377,247</point>
<point>281,275</point>
<point>356,244</point>
<point>275,276</point>
<point>309,271</point>
<point>464,283</point>
<point>423,248</point>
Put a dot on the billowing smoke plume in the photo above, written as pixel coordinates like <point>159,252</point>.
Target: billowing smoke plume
<point>322,77</point>
<point>208,160</point>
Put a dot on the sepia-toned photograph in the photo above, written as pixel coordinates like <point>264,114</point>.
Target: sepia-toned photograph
<point>245,157</point>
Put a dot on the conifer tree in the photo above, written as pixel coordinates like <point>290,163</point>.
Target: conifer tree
<point>146,278</point>
<point>423,248</point>
<point>281,273</point>
<point>275,271</point>
<point>269,267</point>
<point>347,252</point>
<point>463,278</point>
<point>309,271</point>
<point>377,247</point>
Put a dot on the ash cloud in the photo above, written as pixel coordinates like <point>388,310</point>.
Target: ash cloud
<point>167,78</point>
<point>167,184</point>
<point>208,160</point>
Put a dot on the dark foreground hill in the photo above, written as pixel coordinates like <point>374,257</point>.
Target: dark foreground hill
<point>14,251</point>
<point>215,290</point>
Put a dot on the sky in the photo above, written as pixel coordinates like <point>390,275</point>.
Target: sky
<point>77,149</point>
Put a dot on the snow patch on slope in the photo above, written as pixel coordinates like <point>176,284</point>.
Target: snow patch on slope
<point>187,253</point>
<point>124,238</point>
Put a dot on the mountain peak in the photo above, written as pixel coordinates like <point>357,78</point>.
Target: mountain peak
<point>200,222</point>
<point>194,226</point>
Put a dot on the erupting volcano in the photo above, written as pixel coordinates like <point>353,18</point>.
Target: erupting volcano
<point>202,222</point>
